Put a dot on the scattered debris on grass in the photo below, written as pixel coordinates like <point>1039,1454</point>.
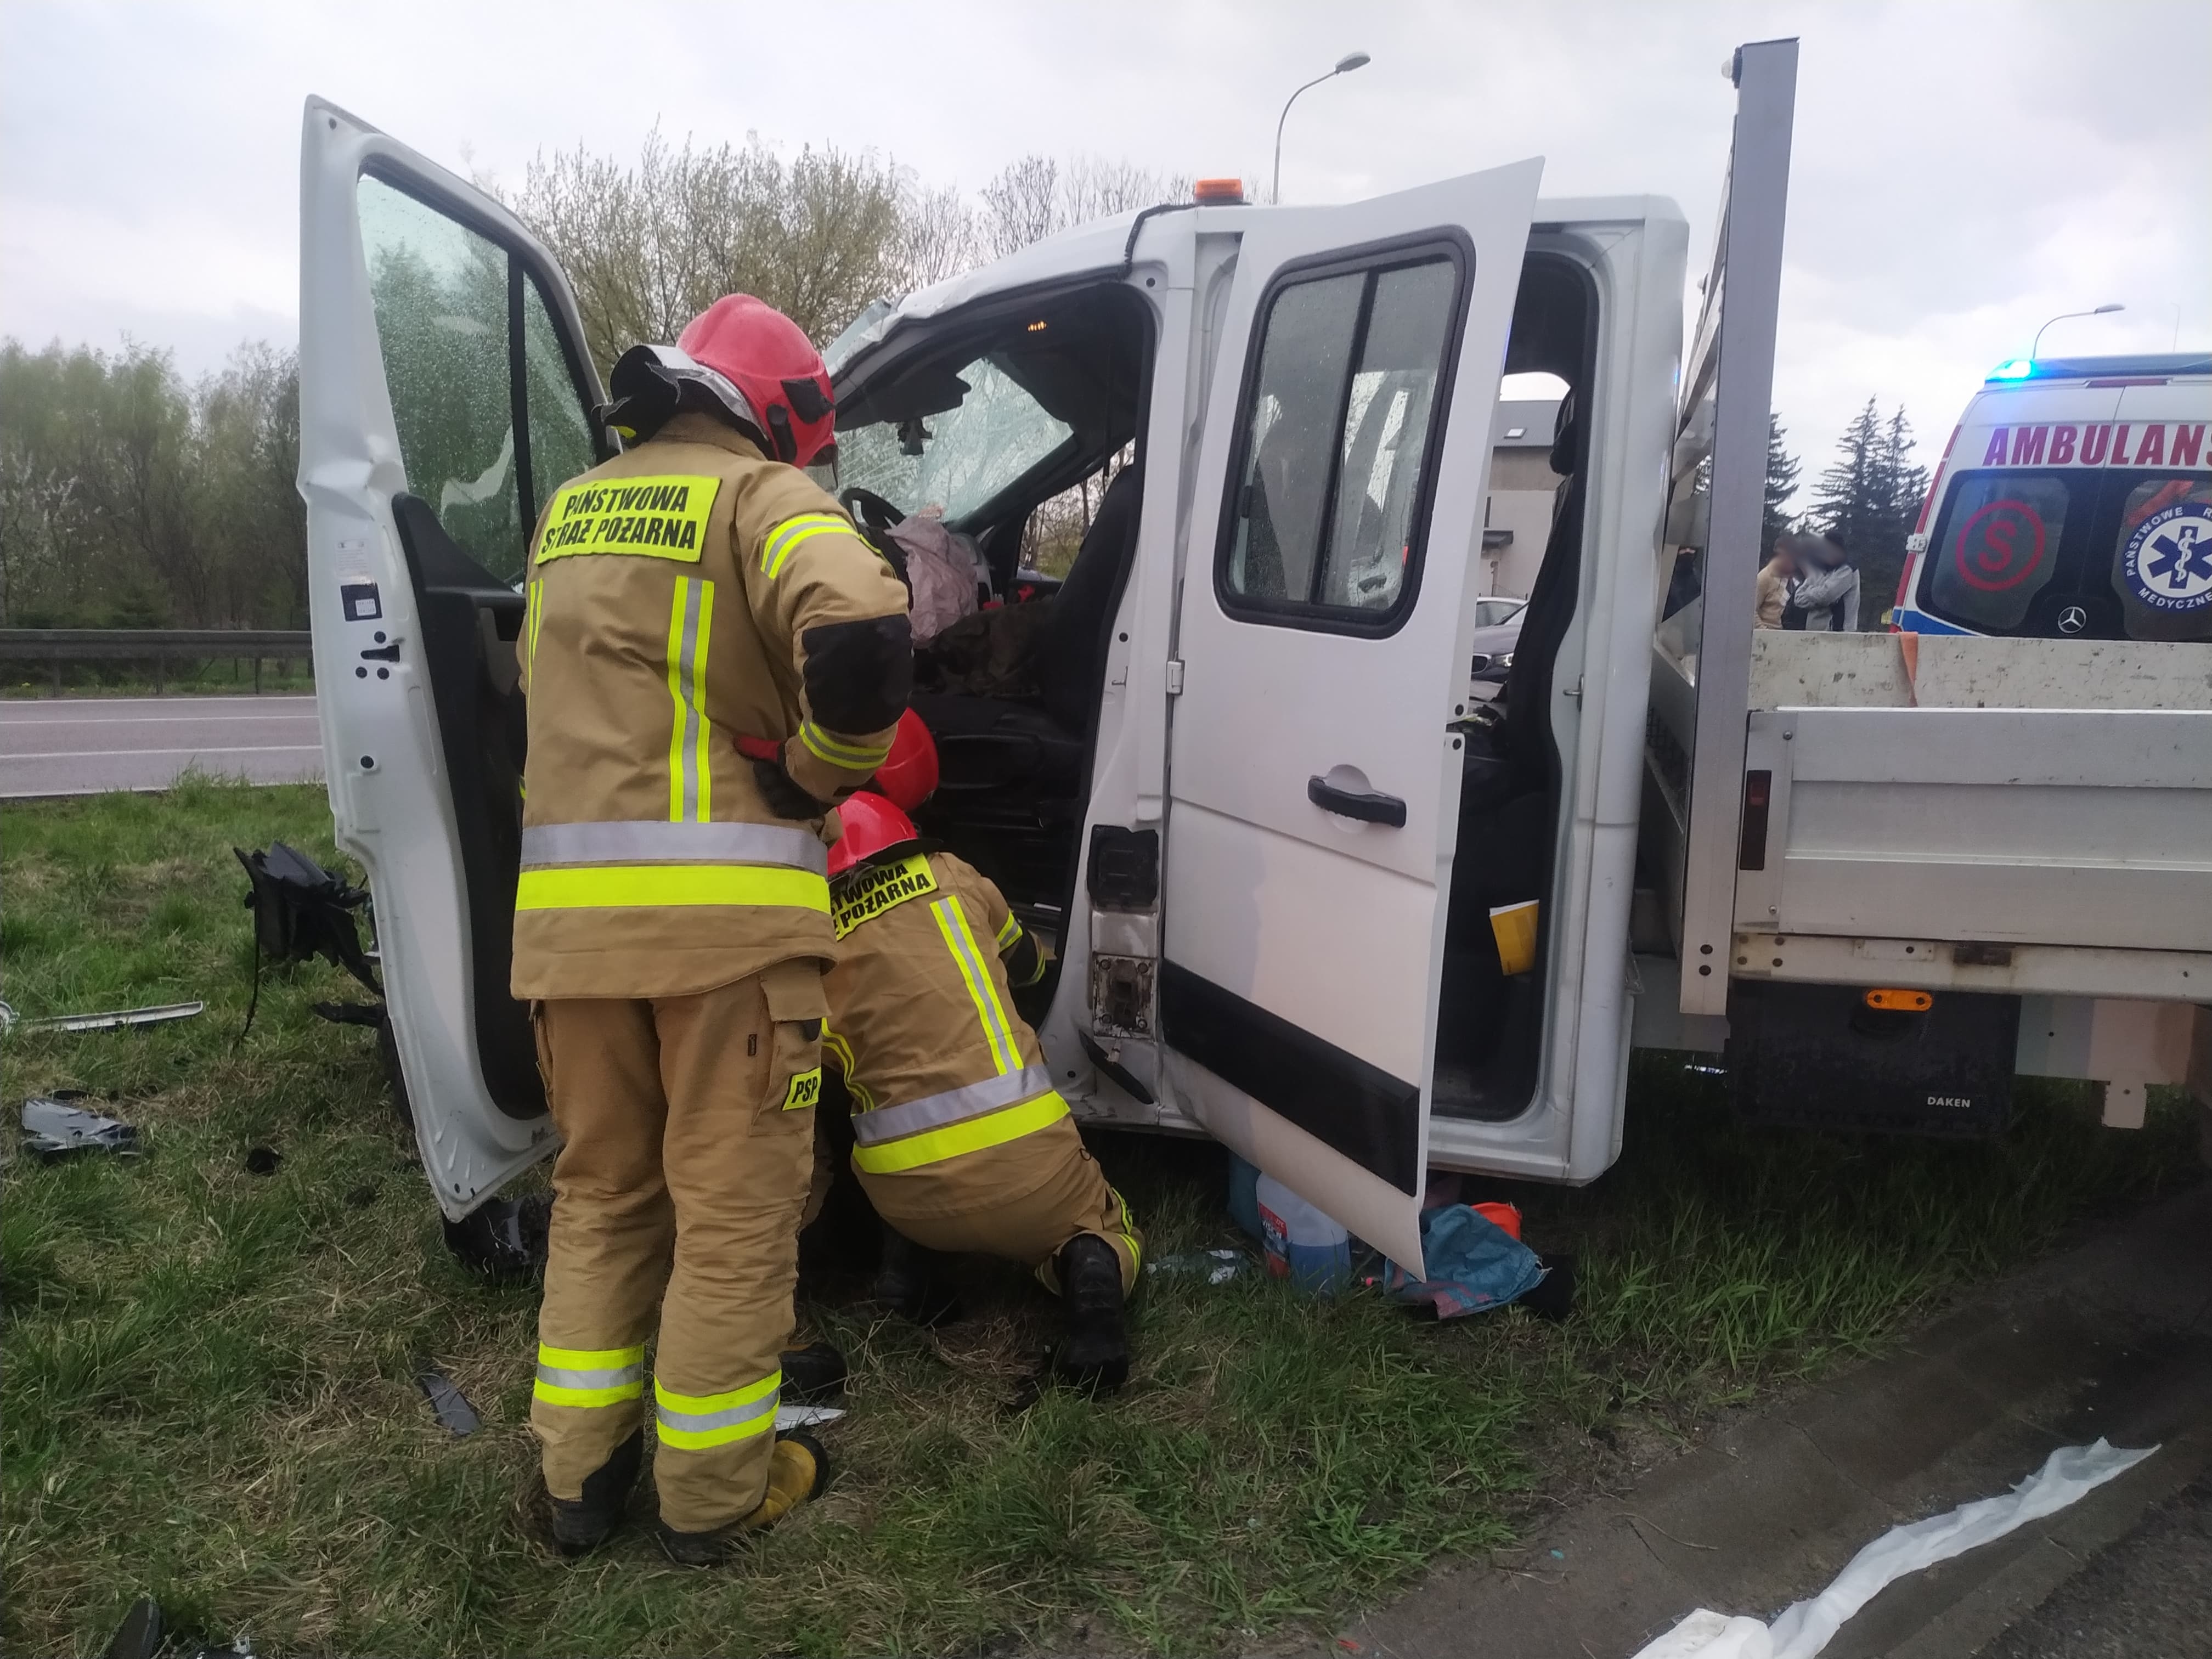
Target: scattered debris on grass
<point>504,1239</point>
<point>139,1637</point>
<point>54,1127</point>
<point>264,1161</point>
<point>300,911</point>
<point>115,1019</point>
<point>450,1403</point>
<point>1219,1266</point>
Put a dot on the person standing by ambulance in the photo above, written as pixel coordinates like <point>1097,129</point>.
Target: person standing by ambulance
<point>713,658</point>
<point>960,1140</point>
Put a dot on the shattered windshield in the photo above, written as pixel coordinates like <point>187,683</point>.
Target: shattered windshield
<point>956,459</point>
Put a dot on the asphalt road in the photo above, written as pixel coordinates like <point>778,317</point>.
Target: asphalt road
<point>83,745</point>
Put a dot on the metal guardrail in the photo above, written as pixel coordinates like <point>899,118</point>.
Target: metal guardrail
<point>57,645</point>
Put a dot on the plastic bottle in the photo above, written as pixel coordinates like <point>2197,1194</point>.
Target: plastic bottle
<point>1243,1195</point>
<point>1304,1243</point>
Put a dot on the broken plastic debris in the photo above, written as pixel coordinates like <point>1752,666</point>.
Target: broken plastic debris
<point>113,1019</point>
<point>504,1238</point>
<point>806,1417</point>
<point>1804,1628</point>
<point>53,1128</point>
<point>1219,1266</point>
<point>452,1406</point>
<point>139,1637</point>
<point>139,1634</point>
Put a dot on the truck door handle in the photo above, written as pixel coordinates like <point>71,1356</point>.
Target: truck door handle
<point>1369,806</point>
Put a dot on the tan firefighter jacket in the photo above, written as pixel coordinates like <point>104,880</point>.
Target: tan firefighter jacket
<point>684,595</point>
<point>938,1063</point>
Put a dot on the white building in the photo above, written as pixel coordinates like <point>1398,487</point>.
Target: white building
<point>1517,518</point>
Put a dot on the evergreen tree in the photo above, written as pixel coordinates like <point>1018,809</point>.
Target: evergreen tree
<point>1782,471</point>
<point>1843,495</point>
<point>1870,496</point>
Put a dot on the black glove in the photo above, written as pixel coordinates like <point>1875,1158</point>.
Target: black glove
<point>784,797</point>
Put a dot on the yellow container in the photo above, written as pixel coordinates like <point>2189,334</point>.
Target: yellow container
<point>1514,925</point>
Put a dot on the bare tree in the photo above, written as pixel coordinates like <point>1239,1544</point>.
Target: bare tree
<point>940,235</point>
<point>1022,205</point>
<point>34,501</point>
<point>1038,197</point>
<point>647,247</point>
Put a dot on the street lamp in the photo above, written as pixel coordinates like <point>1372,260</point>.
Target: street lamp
<point>1345,66</point>
<point>2034,351</point>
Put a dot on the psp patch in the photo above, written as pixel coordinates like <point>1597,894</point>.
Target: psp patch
<point>805,1090</point>
<point>2167,563</point>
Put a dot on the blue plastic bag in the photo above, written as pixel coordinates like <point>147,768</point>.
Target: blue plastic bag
<point>1473,1265</point>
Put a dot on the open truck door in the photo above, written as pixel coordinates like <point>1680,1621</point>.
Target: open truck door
<point>1709,549</point>
<point>1325,603</point>
<point>444,393</point>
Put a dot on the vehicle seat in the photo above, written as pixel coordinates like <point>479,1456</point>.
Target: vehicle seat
<point>994,742</point>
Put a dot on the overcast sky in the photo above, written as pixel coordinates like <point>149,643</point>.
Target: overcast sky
<point>1961,171</point>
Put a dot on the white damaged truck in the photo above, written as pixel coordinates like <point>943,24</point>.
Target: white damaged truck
<point>1308,896</point>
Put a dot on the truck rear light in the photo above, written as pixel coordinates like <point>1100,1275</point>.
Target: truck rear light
<point>1757,791</point>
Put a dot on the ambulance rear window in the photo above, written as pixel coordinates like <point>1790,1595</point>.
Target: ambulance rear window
<point>1996,546</point>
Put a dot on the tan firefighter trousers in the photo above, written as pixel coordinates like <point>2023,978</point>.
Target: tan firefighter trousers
<point>1021,1201</point>
<point>689,1136</point>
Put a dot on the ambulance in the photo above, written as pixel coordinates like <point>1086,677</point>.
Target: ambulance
<point>2074,501</point>
<point>1308,894</point>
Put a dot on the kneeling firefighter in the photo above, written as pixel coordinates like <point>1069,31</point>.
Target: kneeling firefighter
<point>961,1142</point>
<point>714,658</point>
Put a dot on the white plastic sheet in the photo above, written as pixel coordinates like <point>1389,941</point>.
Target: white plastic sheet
<point>1805,1628</point>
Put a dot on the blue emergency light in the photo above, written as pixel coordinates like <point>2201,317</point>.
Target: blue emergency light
<point>2020,368</point>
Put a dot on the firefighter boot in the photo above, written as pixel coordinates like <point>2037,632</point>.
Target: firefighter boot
<point>1095,1354</point>
<point>581,1524</point>
<point>798,1470</point>
<point>916,1284</point>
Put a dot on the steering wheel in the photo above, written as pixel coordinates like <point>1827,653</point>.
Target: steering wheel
<point>870,508</point>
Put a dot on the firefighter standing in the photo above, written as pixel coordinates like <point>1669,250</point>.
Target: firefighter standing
<point>961,1142</point>
<point>713,659</point>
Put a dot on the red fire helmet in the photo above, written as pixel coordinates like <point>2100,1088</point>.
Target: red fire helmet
<point>909,776</point>
<point>871,824</point>
<point>769,358</point>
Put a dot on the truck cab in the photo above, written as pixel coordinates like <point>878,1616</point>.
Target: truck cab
<point>1309,895</point>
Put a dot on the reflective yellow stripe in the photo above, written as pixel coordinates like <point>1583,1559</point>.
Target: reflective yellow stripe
<point>691,785</point>
<point>694,1422</point>
<point>600,887</point>
<point>704,773</point>
<point>788,535</point>
<point>1129,1233</point>
<point>842,1052</point>
<point>852,757</point>
<point>536,615</point>
<point>660,517</point>
<point>589,1376</point>
<point>1008,934</point>
<point>952,923</point>
<point>973,1136</point>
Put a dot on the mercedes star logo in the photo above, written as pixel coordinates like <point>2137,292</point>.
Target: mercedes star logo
<point>2073,619</point>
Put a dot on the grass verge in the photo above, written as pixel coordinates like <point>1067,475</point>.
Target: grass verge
<point>209,1389</point>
